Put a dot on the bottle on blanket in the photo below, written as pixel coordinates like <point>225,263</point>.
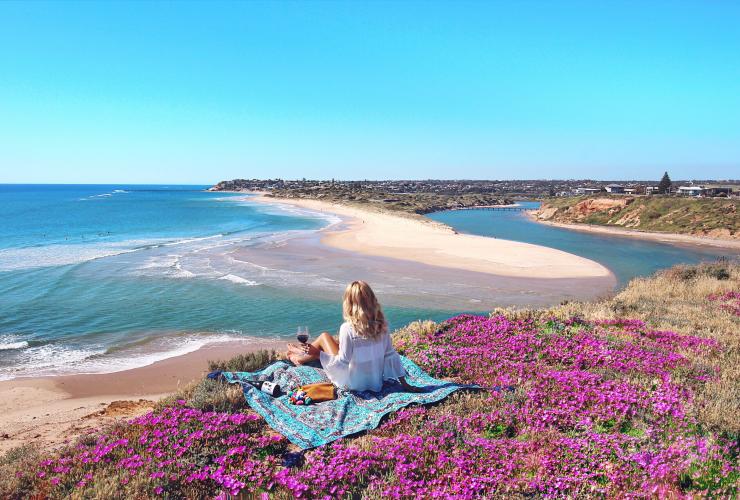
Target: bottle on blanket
<point>267,387</point>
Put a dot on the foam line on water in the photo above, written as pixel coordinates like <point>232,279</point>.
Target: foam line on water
<point>61,359</point>
<point>104,195</point>
<point>62,255</point>
<point>275,207</point>
<point>238,280</point>
<point>9,342</point>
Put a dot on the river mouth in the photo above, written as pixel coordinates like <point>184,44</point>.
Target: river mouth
<point>626,257</point>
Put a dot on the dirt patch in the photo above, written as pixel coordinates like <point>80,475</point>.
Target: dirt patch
<point>583,209</point>
<point>124,408</point>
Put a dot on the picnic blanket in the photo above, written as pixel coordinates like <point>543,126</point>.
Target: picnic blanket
<point>352,412</point>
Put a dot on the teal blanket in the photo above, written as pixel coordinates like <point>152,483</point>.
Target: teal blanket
<point>352,412</point>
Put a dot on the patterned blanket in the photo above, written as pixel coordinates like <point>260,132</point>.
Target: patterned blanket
<point>352,412</point>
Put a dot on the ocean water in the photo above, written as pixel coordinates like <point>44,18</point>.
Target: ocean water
<point>625,257</point>
<point>104,278</point>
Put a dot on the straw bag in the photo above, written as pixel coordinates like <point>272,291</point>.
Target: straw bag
<point>313,393</point>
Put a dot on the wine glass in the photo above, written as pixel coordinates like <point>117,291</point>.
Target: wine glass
<point>302,334</point>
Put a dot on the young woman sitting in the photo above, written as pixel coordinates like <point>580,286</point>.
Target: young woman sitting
<point>364,356</point>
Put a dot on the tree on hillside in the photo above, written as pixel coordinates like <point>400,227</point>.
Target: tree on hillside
<point>664,186</point>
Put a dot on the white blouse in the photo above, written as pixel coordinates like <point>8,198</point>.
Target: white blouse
<point>362,364</point>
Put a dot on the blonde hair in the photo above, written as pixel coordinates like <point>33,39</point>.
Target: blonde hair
<point>361,309</point>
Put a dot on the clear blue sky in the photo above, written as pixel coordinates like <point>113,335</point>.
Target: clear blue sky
<point>200,92</point>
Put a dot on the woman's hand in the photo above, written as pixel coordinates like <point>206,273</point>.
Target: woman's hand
<point>311,350</point>
<point>408,387</point>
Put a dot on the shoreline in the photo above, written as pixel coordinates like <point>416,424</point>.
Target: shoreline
<point>49,410</point>
<point>429,242</point>
<point>669,238</point>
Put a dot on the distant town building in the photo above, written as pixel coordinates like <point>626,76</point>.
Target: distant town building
<point>652,189</point>
<point>614,188</point>
<point>691,190</point>
<point>718,190</point>
<point>586,190</point>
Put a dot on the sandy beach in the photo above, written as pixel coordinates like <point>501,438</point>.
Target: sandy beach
<point>428,242</point>
<point>678,239</point>
<point>49,410</point>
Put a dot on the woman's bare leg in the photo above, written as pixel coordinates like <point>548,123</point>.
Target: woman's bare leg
<point>323,342</point>
<point>326,343</point>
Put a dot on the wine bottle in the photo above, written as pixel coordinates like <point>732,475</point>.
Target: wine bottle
<point>267,387</point>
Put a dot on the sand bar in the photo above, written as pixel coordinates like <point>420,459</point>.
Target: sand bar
<point>677,239</point>
<point>432,243</point>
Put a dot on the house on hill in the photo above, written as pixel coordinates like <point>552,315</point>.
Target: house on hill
<point>614,188</point>
<point>587,190</point>
<point>691,190</point>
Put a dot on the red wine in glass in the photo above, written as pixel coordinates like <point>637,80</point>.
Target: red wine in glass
<point>302,334</point>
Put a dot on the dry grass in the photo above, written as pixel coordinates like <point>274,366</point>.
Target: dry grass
<point>209,395</point>
<point>668,214</point>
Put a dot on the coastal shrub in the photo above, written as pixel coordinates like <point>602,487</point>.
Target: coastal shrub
<point>210,395</point>
<point>577,401</point>
<point>719,270</point>
<point>248,362</point>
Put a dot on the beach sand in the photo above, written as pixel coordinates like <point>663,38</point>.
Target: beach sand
<point>49,410</point>
<point>676,239</point>
<point>432,243</point>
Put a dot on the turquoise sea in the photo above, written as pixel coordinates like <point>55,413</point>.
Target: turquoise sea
<point>625,257</point>
<point>103,278</point>
<point>108,277</point>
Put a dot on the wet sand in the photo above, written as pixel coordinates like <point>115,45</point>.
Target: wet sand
<point>412,284</point>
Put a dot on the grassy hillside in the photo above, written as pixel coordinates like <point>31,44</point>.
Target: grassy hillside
<point>636,394</point>
<point>704,217</point>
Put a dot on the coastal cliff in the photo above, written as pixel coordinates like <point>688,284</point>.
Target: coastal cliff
<point>714,218</point>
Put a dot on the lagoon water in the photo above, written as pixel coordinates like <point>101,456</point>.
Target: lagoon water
<point>105,278</point>
<point>625,257</point>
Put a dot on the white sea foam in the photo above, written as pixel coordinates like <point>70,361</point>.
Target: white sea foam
<point>59,359</point>
<point>191,240</point>
<point>179,272</point>
<point>61,254</point>
<point>239,280</point>
<point>11,341</point>
<point>104,195</point>
<point>277,208</point>
<point>47,359</point>
<point>160,262</point>
<point>64,254</point>
<point>13,345</point>
<point>146,355</point>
